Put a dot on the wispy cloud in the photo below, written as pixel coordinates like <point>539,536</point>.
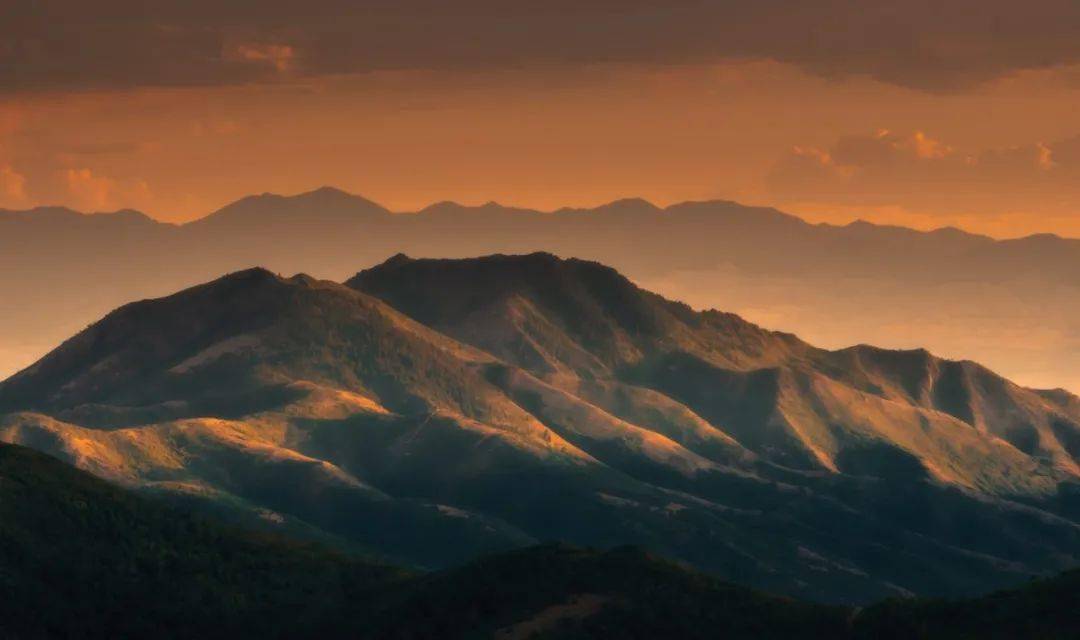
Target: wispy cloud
<point>13,193</point>
<point>89,191</point>
<point>923,174</point>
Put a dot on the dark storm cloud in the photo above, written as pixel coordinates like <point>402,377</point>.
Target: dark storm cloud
<point>932,45</point>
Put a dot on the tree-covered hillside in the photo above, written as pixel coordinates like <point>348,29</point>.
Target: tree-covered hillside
<point>80,558</point>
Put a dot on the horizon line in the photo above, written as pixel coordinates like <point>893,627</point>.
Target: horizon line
<point>563,209</point>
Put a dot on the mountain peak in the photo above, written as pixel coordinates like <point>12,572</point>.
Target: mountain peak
<point>226,341</point>
<point>327,204</point>
<point>442,206</point>
<point>327,195</point>
<point>575,314</point>
<point>251,273</point>
<point>327,190</point>
<point>132,215</point>
<point>451,207</point>
<point>1046,238</point>
<point>64,214</point>
<point>396,259</point>
<point>630,205</point>
<point>950,230</point>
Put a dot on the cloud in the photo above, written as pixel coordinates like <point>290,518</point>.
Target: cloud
<point>279,56</point>
<point>88,191</point>
<point>921,174</point>
<point>12,188</point>
<point>932,45</point>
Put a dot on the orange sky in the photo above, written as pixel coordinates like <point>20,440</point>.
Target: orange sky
<point>999,154</point>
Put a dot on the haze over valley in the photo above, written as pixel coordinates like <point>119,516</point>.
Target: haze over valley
<point>1012,305</point>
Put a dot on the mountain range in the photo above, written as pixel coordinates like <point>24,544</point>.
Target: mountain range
<point>1011,304</point>
<point>427,411</point>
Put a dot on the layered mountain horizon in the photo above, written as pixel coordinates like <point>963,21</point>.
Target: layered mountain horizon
<point>1009,303</point>
<point>336,201</point>
<point>428,410</point>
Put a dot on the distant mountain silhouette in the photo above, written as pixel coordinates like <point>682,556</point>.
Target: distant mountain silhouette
<point>690,235</point>
<point>269,212</point>
<point>436,409</point>
<point>962,294</point>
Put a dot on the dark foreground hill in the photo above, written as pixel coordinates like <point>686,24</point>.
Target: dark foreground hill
<point>437,410</point>
<point>80,558</point>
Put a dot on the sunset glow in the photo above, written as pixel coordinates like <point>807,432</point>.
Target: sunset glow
<point>968,131</point>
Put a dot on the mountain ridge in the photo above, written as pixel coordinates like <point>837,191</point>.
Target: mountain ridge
<point>723,340</point>
<point>587,410</point>
<point>322,195</point>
